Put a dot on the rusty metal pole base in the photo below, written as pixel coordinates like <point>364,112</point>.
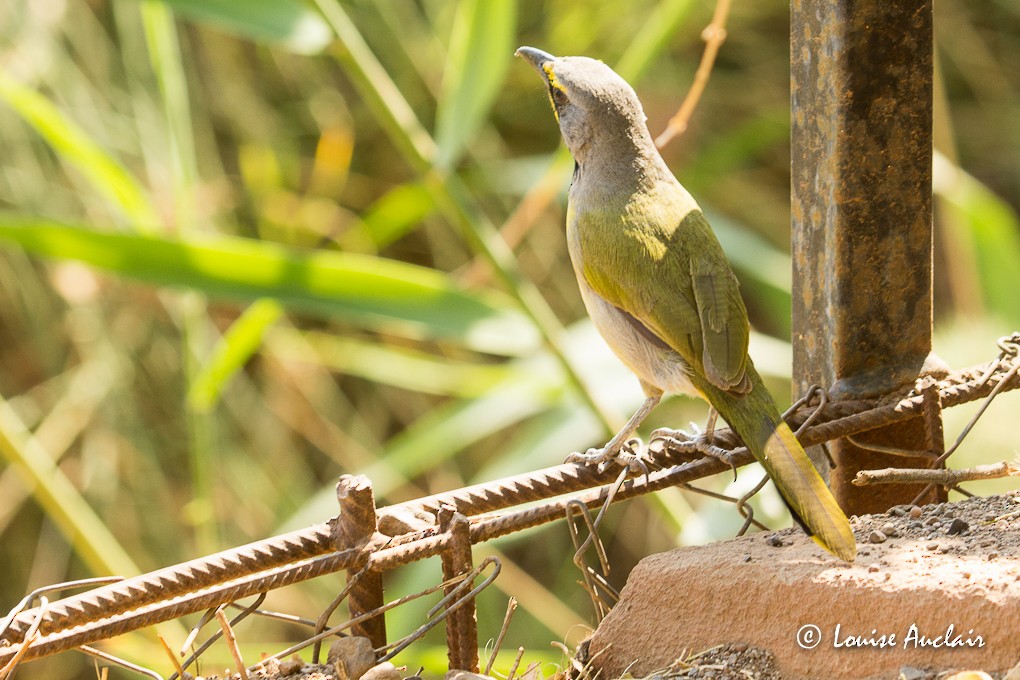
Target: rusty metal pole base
<point>462,624</point>
<point>355,528</point>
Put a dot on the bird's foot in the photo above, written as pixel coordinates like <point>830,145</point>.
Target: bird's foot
<point>630,455</point>
<point>686,443</point>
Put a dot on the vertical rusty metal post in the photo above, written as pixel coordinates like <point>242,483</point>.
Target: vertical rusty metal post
<point>461,625</point>
<point>861,106</point>
<point>355,528</point>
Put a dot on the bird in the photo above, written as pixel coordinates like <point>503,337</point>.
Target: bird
<point>659,289</point>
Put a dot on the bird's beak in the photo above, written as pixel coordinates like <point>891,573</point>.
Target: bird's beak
<point>536,57</point>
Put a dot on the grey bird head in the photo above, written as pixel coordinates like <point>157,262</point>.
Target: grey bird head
<point>597,110</point>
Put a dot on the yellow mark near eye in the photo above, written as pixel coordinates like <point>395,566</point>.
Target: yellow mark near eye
<point>548,68</point>
<point>553,82</point>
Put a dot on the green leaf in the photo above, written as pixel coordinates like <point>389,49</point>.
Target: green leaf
<point>378,293</point>
<point>481,47</point>
<point>233,350</point>
<point>286,23</point>
<point>73,145</point>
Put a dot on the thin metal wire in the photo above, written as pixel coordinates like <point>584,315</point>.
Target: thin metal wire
<point>593,540</point>
<point>746,510</point>
<point>460,602</point>
<point>247,611</point>
<point>1009,346</point>
<point>7,672</point>
<point>356,620</point>
<point>323,620</point>
<point>117,661</point>
<point>721,497</point>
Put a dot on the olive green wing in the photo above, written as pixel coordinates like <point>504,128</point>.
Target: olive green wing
<point>666,269</point>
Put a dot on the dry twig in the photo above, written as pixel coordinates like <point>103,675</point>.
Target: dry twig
<point>231,640</point>
<point>714,36</point>
<point>942,477</point>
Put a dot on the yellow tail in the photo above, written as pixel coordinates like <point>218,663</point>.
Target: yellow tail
<point>756,419</point>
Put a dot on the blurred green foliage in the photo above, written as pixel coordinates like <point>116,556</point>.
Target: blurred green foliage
<point>247,247</point>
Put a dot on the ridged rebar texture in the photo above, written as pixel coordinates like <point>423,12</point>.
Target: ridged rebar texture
<point>356,527</point>
<point>290,558</point>
<point>462,624</point>
<point>179,580</point>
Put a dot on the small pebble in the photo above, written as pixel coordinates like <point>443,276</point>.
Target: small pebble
<point>987,543</point>
<point>774,541</point>
<point>932,546</point>
<point>993,555</point>
<point>989,517</point>
<point>747,558</point>
<point>897,511</point>
<point>877,537</point>
<point>933,521</point>
<point>957,527</point>
<point>873,568</point>
<point>739,646</point>
<point>291,666</point>
<point>352,656</point>
<point>889,529</point>
<point>386,671</point>
<point>915,512</point>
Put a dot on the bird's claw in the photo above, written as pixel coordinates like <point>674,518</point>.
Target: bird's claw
<point>682,442</point>
<point>630,455</point>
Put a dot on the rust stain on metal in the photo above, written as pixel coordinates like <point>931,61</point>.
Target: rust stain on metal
<point>355,527</point>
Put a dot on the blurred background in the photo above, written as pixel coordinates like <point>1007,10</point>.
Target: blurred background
<point>248,247</point>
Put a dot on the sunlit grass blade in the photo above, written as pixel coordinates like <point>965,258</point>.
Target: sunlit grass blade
<point>394,214</point>
<point>106,175</point>
<point>63,503</point>
<point>481,47</point>
<point>397,366</point>
<point>375,292</point>
<point>241,341</point>
<point>285,23</point>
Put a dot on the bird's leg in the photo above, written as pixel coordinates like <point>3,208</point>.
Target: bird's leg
<point>709,432</point>
<point>614,449</point>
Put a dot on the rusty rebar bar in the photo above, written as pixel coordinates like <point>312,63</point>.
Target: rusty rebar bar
<point>297,556</point>
<point>356,526</point>
<point>461,625</point>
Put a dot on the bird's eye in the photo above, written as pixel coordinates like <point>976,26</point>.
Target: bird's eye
<point>559,97</point>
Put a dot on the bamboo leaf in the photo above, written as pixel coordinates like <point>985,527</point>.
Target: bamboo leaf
<point>481,47</point>
<point>378,293</point>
